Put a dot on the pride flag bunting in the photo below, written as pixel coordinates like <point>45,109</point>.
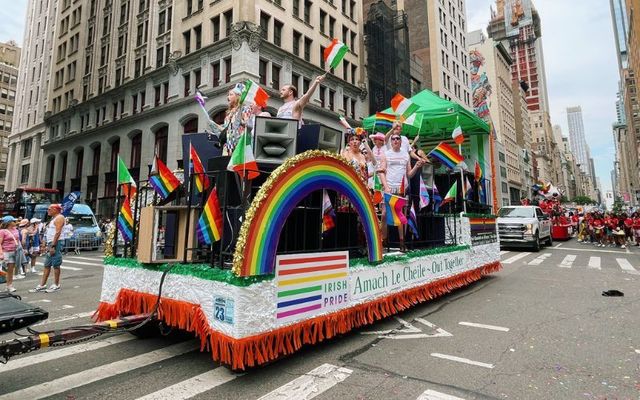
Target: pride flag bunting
<point>403,106</point>
<point>446,155</point>
<point>334,54</point>
<point>164,182</point>
<point>125,220</point>
<point>200,177</point>
<point>252,92</point>
<point>394,205</point>
<point>209,228</point>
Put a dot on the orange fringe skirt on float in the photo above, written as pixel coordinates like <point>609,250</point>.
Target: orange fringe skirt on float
<point>262,348</point>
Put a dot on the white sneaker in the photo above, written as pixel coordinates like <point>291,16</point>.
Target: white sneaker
<point>39,288</point>
<point>19,276</point>
<point>53,288</point>
<point>33,270</point>
<point>623,246</point>
<point>10,289</point>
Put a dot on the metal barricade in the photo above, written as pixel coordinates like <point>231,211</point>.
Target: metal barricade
<point>82,242</point>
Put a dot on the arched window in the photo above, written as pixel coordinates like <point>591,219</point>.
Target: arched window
<point>136,150</point>
<point>191,125</point>
<point>162,135</point>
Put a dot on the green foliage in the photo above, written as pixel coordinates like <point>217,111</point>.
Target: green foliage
<point>583,200</point>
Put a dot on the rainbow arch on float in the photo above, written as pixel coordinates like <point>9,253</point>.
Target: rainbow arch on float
<point>287,186</point>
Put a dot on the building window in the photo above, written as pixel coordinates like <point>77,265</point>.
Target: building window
<point>115,149</point>
<point>197,32</point>
<point>215,67</point>
<point>262,70</point>
<point>227,70</point>
<point>332,95</point>
<point>24,174</point>
<point>277,32</point>
<point>307,49</point>
<point>197,76</point>
<point>296,43</point>
<point>323,17</point>
<point>275,77</point>
<point>215,25</point>
<point>161,143</point>
<point>136,150</point>
<point>296,8</point>
<point>160,57</point>
<point>191,126</point>
<point>95,167</point>
<point>332,23</point>
<point>353,109</point>
<point>264,25</point>
<point>323,93</point>
<point>187,42</point>
<point>307,11</point>
<point>322,63</point>
<point>26,148</point>
<point>162,23</point>
<point>157,95</point>
<point>187,84</point>
<point>79,162</point>
<point>228,21</point>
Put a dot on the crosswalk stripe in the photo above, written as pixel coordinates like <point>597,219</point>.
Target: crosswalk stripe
<point>63,352</point>
<point>594,262</point>
<point>433,395</point>
<point>567,261</point>
<point>194,386</point>
<point>515,258</point>
<point>503,252</point>
<point>98,260</point>
<point>462,360</point>
<point>540,259</point>
<point>67,261</point>
<point>626,266</point>
<point>91,375</point>
<point>40,264</point>
<point>311,384</point>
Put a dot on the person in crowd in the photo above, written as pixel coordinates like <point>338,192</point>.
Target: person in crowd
<point>34,242</point>
<point>53,259</point>
<point>23,231</point>
<point>8,246</point>
<point>67,234</point>
<point>379,159</point>
<point>636,227</point>
<point>354,155</point>
<point>293,107</point>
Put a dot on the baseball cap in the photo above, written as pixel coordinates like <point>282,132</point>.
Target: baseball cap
<point>24,222</point>
<point>7,218</point>
<point>35,220</point>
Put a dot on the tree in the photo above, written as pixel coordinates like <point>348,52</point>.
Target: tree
<point>618,205</point>
<point>582,200</point>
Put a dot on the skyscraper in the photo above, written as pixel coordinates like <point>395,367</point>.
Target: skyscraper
<point>9,62</point>
<point>620,30</point>
<point>577,139</point>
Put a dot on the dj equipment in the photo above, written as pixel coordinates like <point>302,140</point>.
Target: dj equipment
<point>274,139</point>
<point>205,146</point>
<point>318,137</point>
<point>15,314</point>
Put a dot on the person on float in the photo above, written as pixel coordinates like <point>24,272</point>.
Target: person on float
<point>293,107</point>
<point>8,246</point>
<point>354,155</point>
<point>399,170</point>
<point>378,153</point>
<point>235,120</point>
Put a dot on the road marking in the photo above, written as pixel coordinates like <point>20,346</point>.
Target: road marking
<point>37,301</point>
<point>433,395</point>
<point>66,318</point>
<point>67,261</point>
<point>462,360</point>
<point>626,266</point>
<point>504,252</point>
<point>91,375</point>
<point>568,261</point>
<point>590,250</point>
<point>558,245</point>
<point>67,306</point>
<point>594,262</point>
<point>540,259</point>
<point>492,327</point>
<point>194,386</point>
<point>409,331</point>
<point>62,267</point>
<point>88,259</point>
<point>638,351</point>
<point>515,258</point>
<point>64,352</point>
<point>311,384</point>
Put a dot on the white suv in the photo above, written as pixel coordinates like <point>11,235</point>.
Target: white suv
<point>523,226</point>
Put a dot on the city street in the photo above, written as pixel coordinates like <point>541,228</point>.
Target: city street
<point>539,329</point>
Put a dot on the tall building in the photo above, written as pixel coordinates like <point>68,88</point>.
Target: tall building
<point>577,139</point>
<point>9,64</point>
<point>523,133</point>
<point>125,73</point>
<point>620,30</point>
<point>29,128</point>
<point>437,32</point>
<point>497,71</point>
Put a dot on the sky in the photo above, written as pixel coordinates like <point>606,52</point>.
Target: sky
<point>579,54</point>
<point>581,68</point>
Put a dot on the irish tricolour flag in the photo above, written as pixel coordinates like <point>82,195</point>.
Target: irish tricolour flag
<point>403,106</point>
<point>254,93</point>
<point>334,54</point>
<point>242,160</point>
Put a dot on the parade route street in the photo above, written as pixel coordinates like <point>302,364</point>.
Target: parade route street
<point>538,329</point>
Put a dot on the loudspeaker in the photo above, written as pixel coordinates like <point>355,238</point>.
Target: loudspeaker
<point>274,139</point>
<point>318,137</point>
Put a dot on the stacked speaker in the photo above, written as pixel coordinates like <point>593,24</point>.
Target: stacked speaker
<point>274,140</point>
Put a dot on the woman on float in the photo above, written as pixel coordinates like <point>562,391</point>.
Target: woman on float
<point>355,156</point>
<point>235,120</point>
<point>398,171</point>
<point>379,158</point>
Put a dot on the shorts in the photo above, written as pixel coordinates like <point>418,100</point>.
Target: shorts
<point>34,250</point>
<point>54,260</point>
<point>9,257</point>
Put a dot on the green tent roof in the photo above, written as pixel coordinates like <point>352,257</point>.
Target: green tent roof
<point>436,117</point>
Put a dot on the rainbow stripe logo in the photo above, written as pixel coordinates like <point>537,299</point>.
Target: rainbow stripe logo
<point>280,194</point>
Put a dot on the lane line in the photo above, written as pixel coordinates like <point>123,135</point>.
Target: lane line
<point>64,352</point>
<point>567,261</point>
<point>65,383</point>
<point>433,395</point>
<point>591,250</point>
<point>626,266</point>
<point>462,360</point>
<point>515,258</point>
<point>492,327</point>
<point>594,262</point>
<point>311,384</point>
<point>540,259</point>
<point>66,318</point>
<point>193,386</point>
<point>504,252</point>
<point>87,259</point>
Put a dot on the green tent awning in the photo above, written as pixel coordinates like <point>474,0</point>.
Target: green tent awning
<point>436,117</point>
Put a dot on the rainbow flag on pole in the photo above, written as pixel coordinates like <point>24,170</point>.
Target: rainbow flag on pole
<point>403,106</point>
<point>328,215</point>
<point>385,119</point>
<point>252,92</point>
<point>209,228</point>
<point>200,177</point>
<point>334,54</point>
<point>164,182</point>
<point>394,205</point>
<point>446,155</point>
<point>125,220</point>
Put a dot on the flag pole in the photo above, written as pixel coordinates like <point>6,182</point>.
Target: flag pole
<point>115,236</point>
<point>462,183</point>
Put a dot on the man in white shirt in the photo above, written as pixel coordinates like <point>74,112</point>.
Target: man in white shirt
<point>293,107</point>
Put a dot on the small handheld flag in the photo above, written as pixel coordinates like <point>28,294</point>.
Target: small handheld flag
<point>424,194</point>
<point>403,106</point>
<point>394,205</point>
<point>412,222</point>
<point>201,180</point>
<point>457,135</point>
<point>124,178</point>
<point>477,171</point>
<point>125,220</point>
<point>164,182</point>
<point>451,194</point>
<point>334,54</point>
<point>242,160</point>
<point>446,155</point>
<point>385,119</point>
<point>328,215</point>
<point>209,228</point>
<point>252,92</point>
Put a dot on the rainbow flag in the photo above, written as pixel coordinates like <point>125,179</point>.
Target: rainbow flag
<point>252,92</point>
<point>164,182</point>
<point>209,228</point>
<point>334,54</point>
<point>412,222</point>
<point>328,215</point>
<point>385,119</point>
<point>446,155</point>
<point>125,220</point>
<point>403,106</point>
<point>394,205</point>
<point>200,177</point>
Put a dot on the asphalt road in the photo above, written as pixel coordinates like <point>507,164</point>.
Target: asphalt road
<point>539,329</point>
